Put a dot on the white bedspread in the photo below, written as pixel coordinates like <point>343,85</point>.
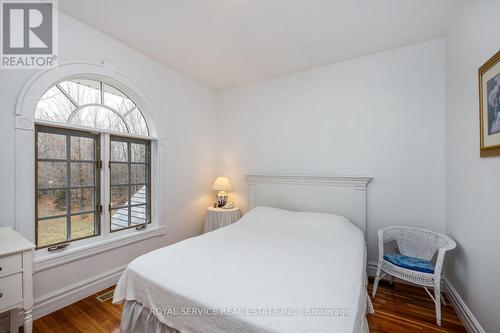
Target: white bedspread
<point>273,271</point>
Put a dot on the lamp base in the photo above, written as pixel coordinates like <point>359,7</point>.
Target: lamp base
<point>221,198</point>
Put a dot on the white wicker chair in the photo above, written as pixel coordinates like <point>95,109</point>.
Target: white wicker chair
<point>417,243</point>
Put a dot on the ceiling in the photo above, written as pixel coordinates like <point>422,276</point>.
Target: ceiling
<point>223,43</point>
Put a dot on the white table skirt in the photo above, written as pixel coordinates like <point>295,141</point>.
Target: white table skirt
<point>218,217</point>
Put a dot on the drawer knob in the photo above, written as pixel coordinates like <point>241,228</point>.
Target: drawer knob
<point>0,269</point>
<point>1,295</point>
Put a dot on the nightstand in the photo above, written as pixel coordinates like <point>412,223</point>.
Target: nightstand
<point>219,217</point>
<point>16,278</point>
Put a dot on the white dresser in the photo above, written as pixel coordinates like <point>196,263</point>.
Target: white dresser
<point>16,278</point>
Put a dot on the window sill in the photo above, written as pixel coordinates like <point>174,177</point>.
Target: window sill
<point>46,260</point>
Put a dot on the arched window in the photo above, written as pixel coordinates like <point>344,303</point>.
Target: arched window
<point>82,124</point>
<point>92,104</point>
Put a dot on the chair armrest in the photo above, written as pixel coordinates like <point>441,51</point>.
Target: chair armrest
<point>385,235</point>
<point>380,232</point>
<point>439,261</point>
<point>380,245</point>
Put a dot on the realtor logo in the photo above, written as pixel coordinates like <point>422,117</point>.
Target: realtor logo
<point>28,34</point>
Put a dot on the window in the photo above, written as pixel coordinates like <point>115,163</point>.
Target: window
<point>130,196</point>
<point>67,187</point>
<point>80,124</point>
<point>91,104</point>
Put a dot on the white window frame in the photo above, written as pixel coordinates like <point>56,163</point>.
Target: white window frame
<point>25,162</point>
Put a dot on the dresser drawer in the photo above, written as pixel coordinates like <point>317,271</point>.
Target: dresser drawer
<point>11,290</point>
<point>10,264</point>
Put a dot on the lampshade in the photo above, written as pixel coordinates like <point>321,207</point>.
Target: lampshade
<point>222,184</point>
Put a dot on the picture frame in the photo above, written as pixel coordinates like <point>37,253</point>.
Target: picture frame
<point>489,107</point>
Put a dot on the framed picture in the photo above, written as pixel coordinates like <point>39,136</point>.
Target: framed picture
<point>489,106</point>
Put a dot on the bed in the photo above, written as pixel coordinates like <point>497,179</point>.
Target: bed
<point>275,270</point>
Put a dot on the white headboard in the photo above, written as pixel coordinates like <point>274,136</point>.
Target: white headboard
<point>344,196</point>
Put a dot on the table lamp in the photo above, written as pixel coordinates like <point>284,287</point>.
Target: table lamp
<point>222,185</point>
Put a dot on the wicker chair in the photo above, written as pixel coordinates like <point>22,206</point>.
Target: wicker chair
<point>416,250</point>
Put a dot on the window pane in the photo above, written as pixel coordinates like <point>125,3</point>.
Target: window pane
<point>138,215</point>
<point>98,117</point>
<point>119,196</point>
<point>91,103</point>
<point>51,231</point>
<point>82,174</point>
<point>51,202</point>
<point>138,194</point>
<point>119,174</point>
<point>51,146</point>
<point>138,152</point>
<point>51,174</point>
<point>136,123</point>
<point>119,218</point>
<point>138,173</point>
<point>82,226</point>
<point>56,188</point>
<point>82,200</point>
<point>129,196</point>
<point>83,91</point>
<point>82,148</point>
<point>117,100</point>
<point>119,152</point>
<point>54,106</point>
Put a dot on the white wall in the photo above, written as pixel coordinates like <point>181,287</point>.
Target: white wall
<point>187,109</point>
<point>381,116</point>
<point>472,183</point>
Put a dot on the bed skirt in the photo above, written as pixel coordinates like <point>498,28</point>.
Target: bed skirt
<point>138,319</point>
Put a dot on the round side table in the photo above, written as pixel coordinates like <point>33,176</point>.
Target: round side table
<point>219,217</point>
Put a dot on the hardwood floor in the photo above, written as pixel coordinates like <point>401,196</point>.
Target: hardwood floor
<point>86,316</point>
<point>403,308</point>
<point>399,309</point>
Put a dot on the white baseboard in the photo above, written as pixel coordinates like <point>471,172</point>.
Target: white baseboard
<point>371,268</point>
<point>63,297</point>
<point>58,299</point>
<point>466,316</point>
